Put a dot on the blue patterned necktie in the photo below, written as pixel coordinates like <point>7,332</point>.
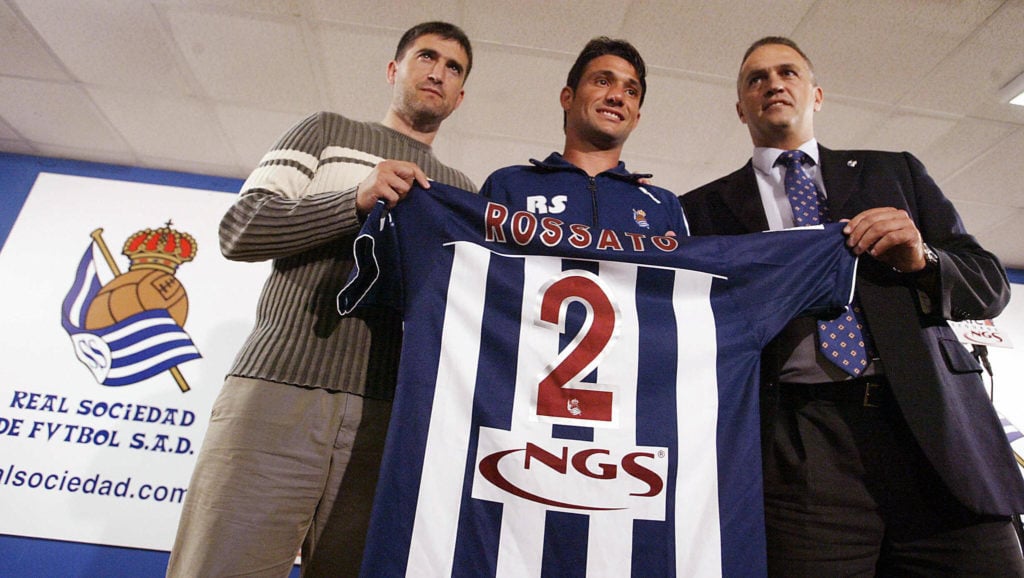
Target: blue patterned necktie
<point>844,341</point>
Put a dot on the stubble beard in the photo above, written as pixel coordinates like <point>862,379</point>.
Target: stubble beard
<point>422,116</point>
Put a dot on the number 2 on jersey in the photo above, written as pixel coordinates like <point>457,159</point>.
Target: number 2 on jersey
<point>560,394</point>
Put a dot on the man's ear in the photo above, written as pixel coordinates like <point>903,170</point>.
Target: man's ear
<point>566,97</point>
<point>739,113</point>
<point>392,70</point>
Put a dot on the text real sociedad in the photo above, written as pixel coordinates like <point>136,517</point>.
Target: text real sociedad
<point>117,410</point>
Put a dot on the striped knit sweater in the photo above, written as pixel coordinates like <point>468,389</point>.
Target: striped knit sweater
<point>298,208</point>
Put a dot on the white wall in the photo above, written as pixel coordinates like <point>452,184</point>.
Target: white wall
<point>1008,364</point>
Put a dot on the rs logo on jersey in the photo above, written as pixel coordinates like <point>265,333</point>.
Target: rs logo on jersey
<point>541,205</point>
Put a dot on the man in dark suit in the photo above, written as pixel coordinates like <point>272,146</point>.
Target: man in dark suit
<point>892,462</point>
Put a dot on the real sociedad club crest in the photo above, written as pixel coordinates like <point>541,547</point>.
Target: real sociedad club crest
<point>640,218</point>
<point>128,327</point>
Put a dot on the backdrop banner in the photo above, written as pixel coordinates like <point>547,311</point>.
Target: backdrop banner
<point>120,319</point>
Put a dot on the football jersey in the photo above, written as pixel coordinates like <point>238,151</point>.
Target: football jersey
<point>574,401</point>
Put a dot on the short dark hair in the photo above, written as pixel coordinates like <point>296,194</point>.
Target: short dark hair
<point>776,40</point>
<point>601,46</point>
<point>444,30</point>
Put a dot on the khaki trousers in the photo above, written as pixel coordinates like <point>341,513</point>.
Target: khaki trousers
<point>281,466</point>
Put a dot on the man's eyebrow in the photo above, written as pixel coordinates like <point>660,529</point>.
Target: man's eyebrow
<point>754,71</point>
<point>433,53</point>
<point>608,73</point>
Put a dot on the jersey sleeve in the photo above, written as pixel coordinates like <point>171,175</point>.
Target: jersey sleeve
<point>376,278</point>
<point>782,275</point>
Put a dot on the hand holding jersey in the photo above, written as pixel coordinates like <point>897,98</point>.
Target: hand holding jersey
<point>389,181</point>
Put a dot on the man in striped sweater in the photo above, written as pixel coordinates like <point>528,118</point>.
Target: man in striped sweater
<point>294,442</point>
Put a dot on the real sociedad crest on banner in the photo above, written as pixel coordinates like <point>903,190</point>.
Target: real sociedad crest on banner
<point>127,327</point>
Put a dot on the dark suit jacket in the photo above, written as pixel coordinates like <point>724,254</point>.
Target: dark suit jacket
<point>936,382</point>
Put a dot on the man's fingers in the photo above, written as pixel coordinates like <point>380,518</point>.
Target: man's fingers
<point>405,172</point>
<point>871,227</point>
<point>390,181</point>
<point>421,177</point>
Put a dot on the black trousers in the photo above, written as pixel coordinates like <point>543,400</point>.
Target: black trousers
<point>848,492</point>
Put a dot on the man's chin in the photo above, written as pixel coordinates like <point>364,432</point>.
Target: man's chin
<point>428,120</point>
<point>778,124</point>
<point>777,115</point>
<point>607,141</point>
<point>418,106</point>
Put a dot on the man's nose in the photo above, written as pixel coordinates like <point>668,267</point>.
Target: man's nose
<point>774,84</point>
<point>437,72</point>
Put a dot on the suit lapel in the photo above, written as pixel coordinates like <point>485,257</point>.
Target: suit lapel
<point>840,173</point>
<point>743,199</point>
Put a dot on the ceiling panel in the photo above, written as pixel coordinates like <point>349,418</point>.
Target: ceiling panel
<point>247,58</point>
<point>91,154</point>
<point>558,26</point>
<point>7,133</point>
<point>56,114</point>
<point>995,177</point>
<point>514,93</point>
<point>909,130</point>
<point>166,127</point>
<point>24,54</point>
<point>967,80</point>
<point>394,14</point>
<point>707,36</point>
<point>882,47</point>
<point>278,7</point>
<point>483,154</point>
<point>680,176</point>
<point>666,122</point>
<point>119,43</point>
<point>843,122</point>
<point>17,146</point>
<point>982,218</point>
<point>208,85</point>
<point>1004,239</point>
<point>965,141</point>
<point>357,87</point>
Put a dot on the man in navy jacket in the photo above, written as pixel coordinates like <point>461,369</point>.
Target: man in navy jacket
<point>904,469</point>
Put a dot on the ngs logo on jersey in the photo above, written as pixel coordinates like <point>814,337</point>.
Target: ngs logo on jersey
<point>570,475</point>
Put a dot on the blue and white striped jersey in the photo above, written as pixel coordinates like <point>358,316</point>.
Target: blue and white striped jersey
<point>572,401</point>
